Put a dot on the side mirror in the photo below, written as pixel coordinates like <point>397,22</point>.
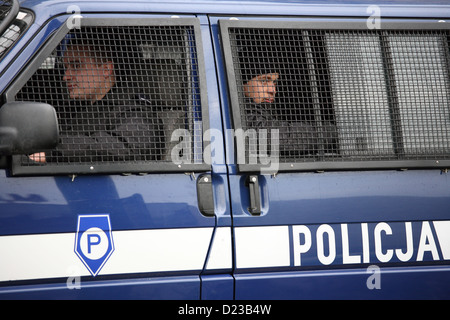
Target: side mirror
<point>27,127</point>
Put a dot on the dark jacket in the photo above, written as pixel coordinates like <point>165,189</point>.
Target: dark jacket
<point>295,137</point>
<point>120,127</point>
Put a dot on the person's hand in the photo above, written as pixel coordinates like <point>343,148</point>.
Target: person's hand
<point>38,157</point>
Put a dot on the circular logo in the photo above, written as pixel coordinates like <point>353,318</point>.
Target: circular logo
<point>94,243</point>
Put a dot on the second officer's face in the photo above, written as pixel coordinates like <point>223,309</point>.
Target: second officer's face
<point>262,88</point>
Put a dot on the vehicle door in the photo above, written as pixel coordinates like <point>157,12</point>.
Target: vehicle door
<point>106,214</point>
<point>339,186</point>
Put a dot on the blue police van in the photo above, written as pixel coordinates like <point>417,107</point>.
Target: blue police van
<point>218,149</point>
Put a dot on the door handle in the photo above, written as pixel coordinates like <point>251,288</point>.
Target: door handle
<point>252,182</point>
<point>205,195</point>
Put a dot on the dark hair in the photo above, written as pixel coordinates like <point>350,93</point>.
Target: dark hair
<point>111,44</point>
<point>255,55</point>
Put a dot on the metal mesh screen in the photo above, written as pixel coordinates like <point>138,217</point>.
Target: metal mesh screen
<point>346,95</point>
<point>120,94</point>
<point>13,31</point>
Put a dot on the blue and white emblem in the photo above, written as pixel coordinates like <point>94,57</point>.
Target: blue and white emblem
<point>93,241</point>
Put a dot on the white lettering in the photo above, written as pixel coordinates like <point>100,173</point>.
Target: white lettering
<point>409,245</point>
<point>362,250</point>
<point>326,229</point>
<point>383,257</point>
<point>298,247</point>
<point>426,242</point>
<point>442,229</point>
<point>206,311</point>
<point>365,242</point>
<point>346,257</point>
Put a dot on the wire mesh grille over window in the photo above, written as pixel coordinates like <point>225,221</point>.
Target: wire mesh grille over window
<point>345,95</point>
<point>120,93</point>
<point>12,32</point>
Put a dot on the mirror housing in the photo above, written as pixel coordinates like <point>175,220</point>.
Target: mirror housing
<point>27,127</point>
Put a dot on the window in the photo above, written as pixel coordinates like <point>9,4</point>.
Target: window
<point>129,98</point>
<point>346,96</point>
<point>14,31</point>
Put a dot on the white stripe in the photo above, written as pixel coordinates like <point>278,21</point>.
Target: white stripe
<point>38,256</point>
<point>159,250</point>
<point>52,255</point>
<point>262,247</point>
<point>220,255</point>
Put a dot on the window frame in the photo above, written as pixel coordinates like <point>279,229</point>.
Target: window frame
<point>24,23</point>
<point>317,24</point>
<point>159,166</point>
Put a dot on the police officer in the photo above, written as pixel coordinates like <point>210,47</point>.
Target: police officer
<point>261,112</point>
<point>105,121</point>
<point>266,66</point>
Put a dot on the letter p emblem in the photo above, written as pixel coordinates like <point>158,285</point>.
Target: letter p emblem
<point>93,242</point>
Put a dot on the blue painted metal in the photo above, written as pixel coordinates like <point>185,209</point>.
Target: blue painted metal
<point>170,288</point>
<point>217,287</point>
<point>46,205</point>
<point>351,197</point>
<point>336,198</point>
<point>270,7</point>
<point>41,205</point>
<point>52,204</point>
<point>394,283</point>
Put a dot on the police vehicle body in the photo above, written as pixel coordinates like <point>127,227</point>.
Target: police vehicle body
<point>219,229</point>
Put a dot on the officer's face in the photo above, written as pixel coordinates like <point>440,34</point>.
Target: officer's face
<point>262,88</point>
<point>86,78</point>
